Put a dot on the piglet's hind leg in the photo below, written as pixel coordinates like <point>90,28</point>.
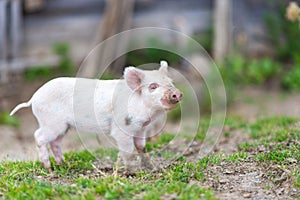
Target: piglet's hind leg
<point>56,149</point>
<point>43,136</point>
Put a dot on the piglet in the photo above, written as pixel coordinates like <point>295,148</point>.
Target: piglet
<point>124,108</point>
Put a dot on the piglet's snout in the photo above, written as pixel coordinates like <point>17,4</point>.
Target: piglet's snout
<point>175,96</point>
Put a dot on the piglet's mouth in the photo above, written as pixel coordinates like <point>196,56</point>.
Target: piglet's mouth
<point>169,104</point>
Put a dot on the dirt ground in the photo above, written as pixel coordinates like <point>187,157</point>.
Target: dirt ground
<point>244,181</point>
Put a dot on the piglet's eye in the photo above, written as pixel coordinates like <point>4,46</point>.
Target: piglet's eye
<point>153,86</point>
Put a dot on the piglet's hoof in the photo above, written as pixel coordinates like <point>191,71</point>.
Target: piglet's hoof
<point>49,170</point>
<point>129,173</point>
<point>147,164</point>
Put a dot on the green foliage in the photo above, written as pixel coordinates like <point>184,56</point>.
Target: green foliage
<point>153,55</point>
<point>238,70</point>
<point>291,80</point>
<point>8,120</point>
<point>205,39</point>
<point>37,72</point>
<point>107,75</point>
<point>175,114</point>
<point>65,65</point>
<point>261,71</point>
<point>283,34</point>
<point>62,49</point>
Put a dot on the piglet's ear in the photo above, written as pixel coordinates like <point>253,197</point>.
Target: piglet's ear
<point>163,67</point>
<point>134,77</point>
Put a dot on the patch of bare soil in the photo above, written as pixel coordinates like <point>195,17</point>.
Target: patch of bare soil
<point>247,178</point>
<point>250,179</point>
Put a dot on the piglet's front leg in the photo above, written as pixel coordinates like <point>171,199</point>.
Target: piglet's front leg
<point>140,145</point>
<point>126,150</point>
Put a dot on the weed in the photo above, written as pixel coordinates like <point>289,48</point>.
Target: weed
<point>8,120</point>
<point>236,157</point>
<point>296,175</point>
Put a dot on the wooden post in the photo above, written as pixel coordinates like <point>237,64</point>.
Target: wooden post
<point>15,27</point>
<point>222,28</point>
<point>3,40</point>
<point>3,29</point>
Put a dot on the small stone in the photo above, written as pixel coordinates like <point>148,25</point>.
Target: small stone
<point>261,148</point>
<point>247,195</point>
<point>291,160</point>
<point>280,191</point>
<point>222,181</point>
<point>227,171</point>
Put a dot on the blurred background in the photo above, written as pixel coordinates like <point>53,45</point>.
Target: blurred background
<point>254,43</point>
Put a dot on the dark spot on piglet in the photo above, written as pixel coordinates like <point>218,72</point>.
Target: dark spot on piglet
<point>127,120</point>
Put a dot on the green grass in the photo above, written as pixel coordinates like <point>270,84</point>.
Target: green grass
<point>163,139</point>
<point>77,178</point>
<point>265,127</point>
<point>22,182</point>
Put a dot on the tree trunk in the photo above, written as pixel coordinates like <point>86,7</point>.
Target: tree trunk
<point>117,18</point>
